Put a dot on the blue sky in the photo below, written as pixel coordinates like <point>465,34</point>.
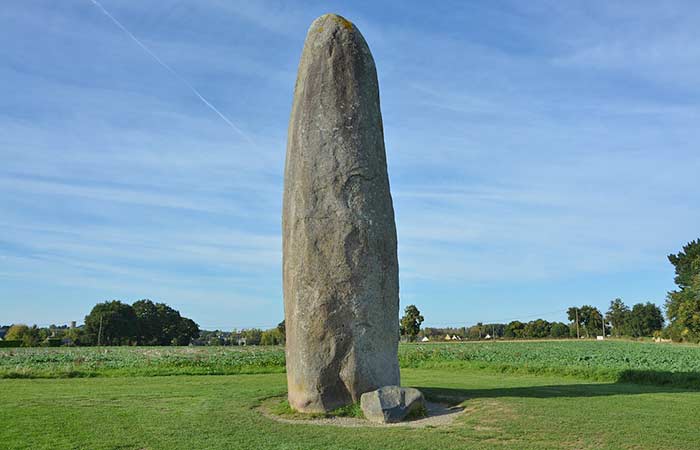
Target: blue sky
<point>541,154</point>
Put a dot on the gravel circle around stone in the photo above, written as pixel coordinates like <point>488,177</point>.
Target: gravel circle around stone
<point>438,415</point>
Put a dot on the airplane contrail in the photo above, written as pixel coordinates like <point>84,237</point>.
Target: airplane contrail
<point>171,70</point>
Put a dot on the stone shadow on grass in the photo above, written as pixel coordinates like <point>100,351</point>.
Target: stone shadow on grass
<point>452,396</point>
<point>687,380</point>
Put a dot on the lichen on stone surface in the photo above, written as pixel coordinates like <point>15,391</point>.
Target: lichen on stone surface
<point>343,21</point>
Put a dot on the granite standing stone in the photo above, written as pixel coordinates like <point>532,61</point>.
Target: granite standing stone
<point>340,267</point>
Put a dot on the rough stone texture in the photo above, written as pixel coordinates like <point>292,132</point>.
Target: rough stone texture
<point>390,404</point>
<point>340,267</point>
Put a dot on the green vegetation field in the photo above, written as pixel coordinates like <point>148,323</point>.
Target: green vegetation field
<point>603,361</point>
<point>524,395</point>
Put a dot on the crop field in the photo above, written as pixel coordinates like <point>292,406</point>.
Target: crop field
<point>603,361</point>
<point>662,364</point>
<point>71,362</point>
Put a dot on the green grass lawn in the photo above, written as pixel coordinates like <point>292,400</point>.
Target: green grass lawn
<point>513,411</point>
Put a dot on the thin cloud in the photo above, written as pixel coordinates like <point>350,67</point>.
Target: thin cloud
<point>173,71</point>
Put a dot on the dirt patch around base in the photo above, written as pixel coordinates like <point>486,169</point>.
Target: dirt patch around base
<point>438,415</point>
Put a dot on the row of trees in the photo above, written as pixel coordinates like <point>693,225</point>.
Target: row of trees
<point>250,336</point>
<point>114,323</point>
<point>535,329</point>
<point>143,323</point>
<point>642,320</point>
<point>34,336</point>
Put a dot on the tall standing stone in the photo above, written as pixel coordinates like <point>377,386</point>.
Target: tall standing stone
<point>340,267</point>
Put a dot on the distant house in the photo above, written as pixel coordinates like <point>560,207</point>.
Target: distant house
<point>456,338</point>
<point>448,338</point>
<point>488,336</point>
<point>3,332</point>
<point>241,341</point>
<point>425,339</point>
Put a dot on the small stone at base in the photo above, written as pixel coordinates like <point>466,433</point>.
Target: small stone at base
<point>391,404</point>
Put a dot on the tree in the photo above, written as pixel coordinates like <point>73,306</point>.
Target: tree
<point>537,329</point>
<point>494,329</point>
<point>683,305</point>
<point>282,329</point>
<point>170,323</point>
<point>618,315</point>
<point>215,340</point>
<point>589,317</point>
<point>683,312</point>
<point>645,319</point>
<point>474,332</point>
<point>16,332</point>
<point>410,322</point>
<point>273,336</point>
<point>594,321</point>
<point>431,332</point>
<point>187,330</point>
<point>111,323</point>
<point>76,336</point>
<point>148,323</point>
<point>514,330</point>
<point>159,324</point>
<point>252,336</point>
<point>30,336</point>
<point>574,315</point>
<point>686,264</point>
<point>559,330</point>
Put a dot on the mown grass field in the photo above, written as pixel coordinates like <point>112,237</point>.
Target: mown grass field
<point>511,411</point>
<point>521,395</point>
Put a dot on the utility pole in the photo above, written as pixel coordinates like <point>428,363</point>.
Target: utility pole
<point>602,319</point>
<point>578,333</point>
<point>99,333</point>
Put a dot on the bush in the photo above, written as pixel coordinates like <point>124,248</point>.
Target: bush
<point>252,336</point>
<point>11,343</point>
<point>17,332</point>
<point>30,336</point>
<point>53,342</point>
<point>271,337</point>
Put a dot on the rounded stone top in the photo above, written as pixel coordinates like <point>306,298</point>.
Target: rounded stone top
<point>329,24</point>
<point>331,30</point>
